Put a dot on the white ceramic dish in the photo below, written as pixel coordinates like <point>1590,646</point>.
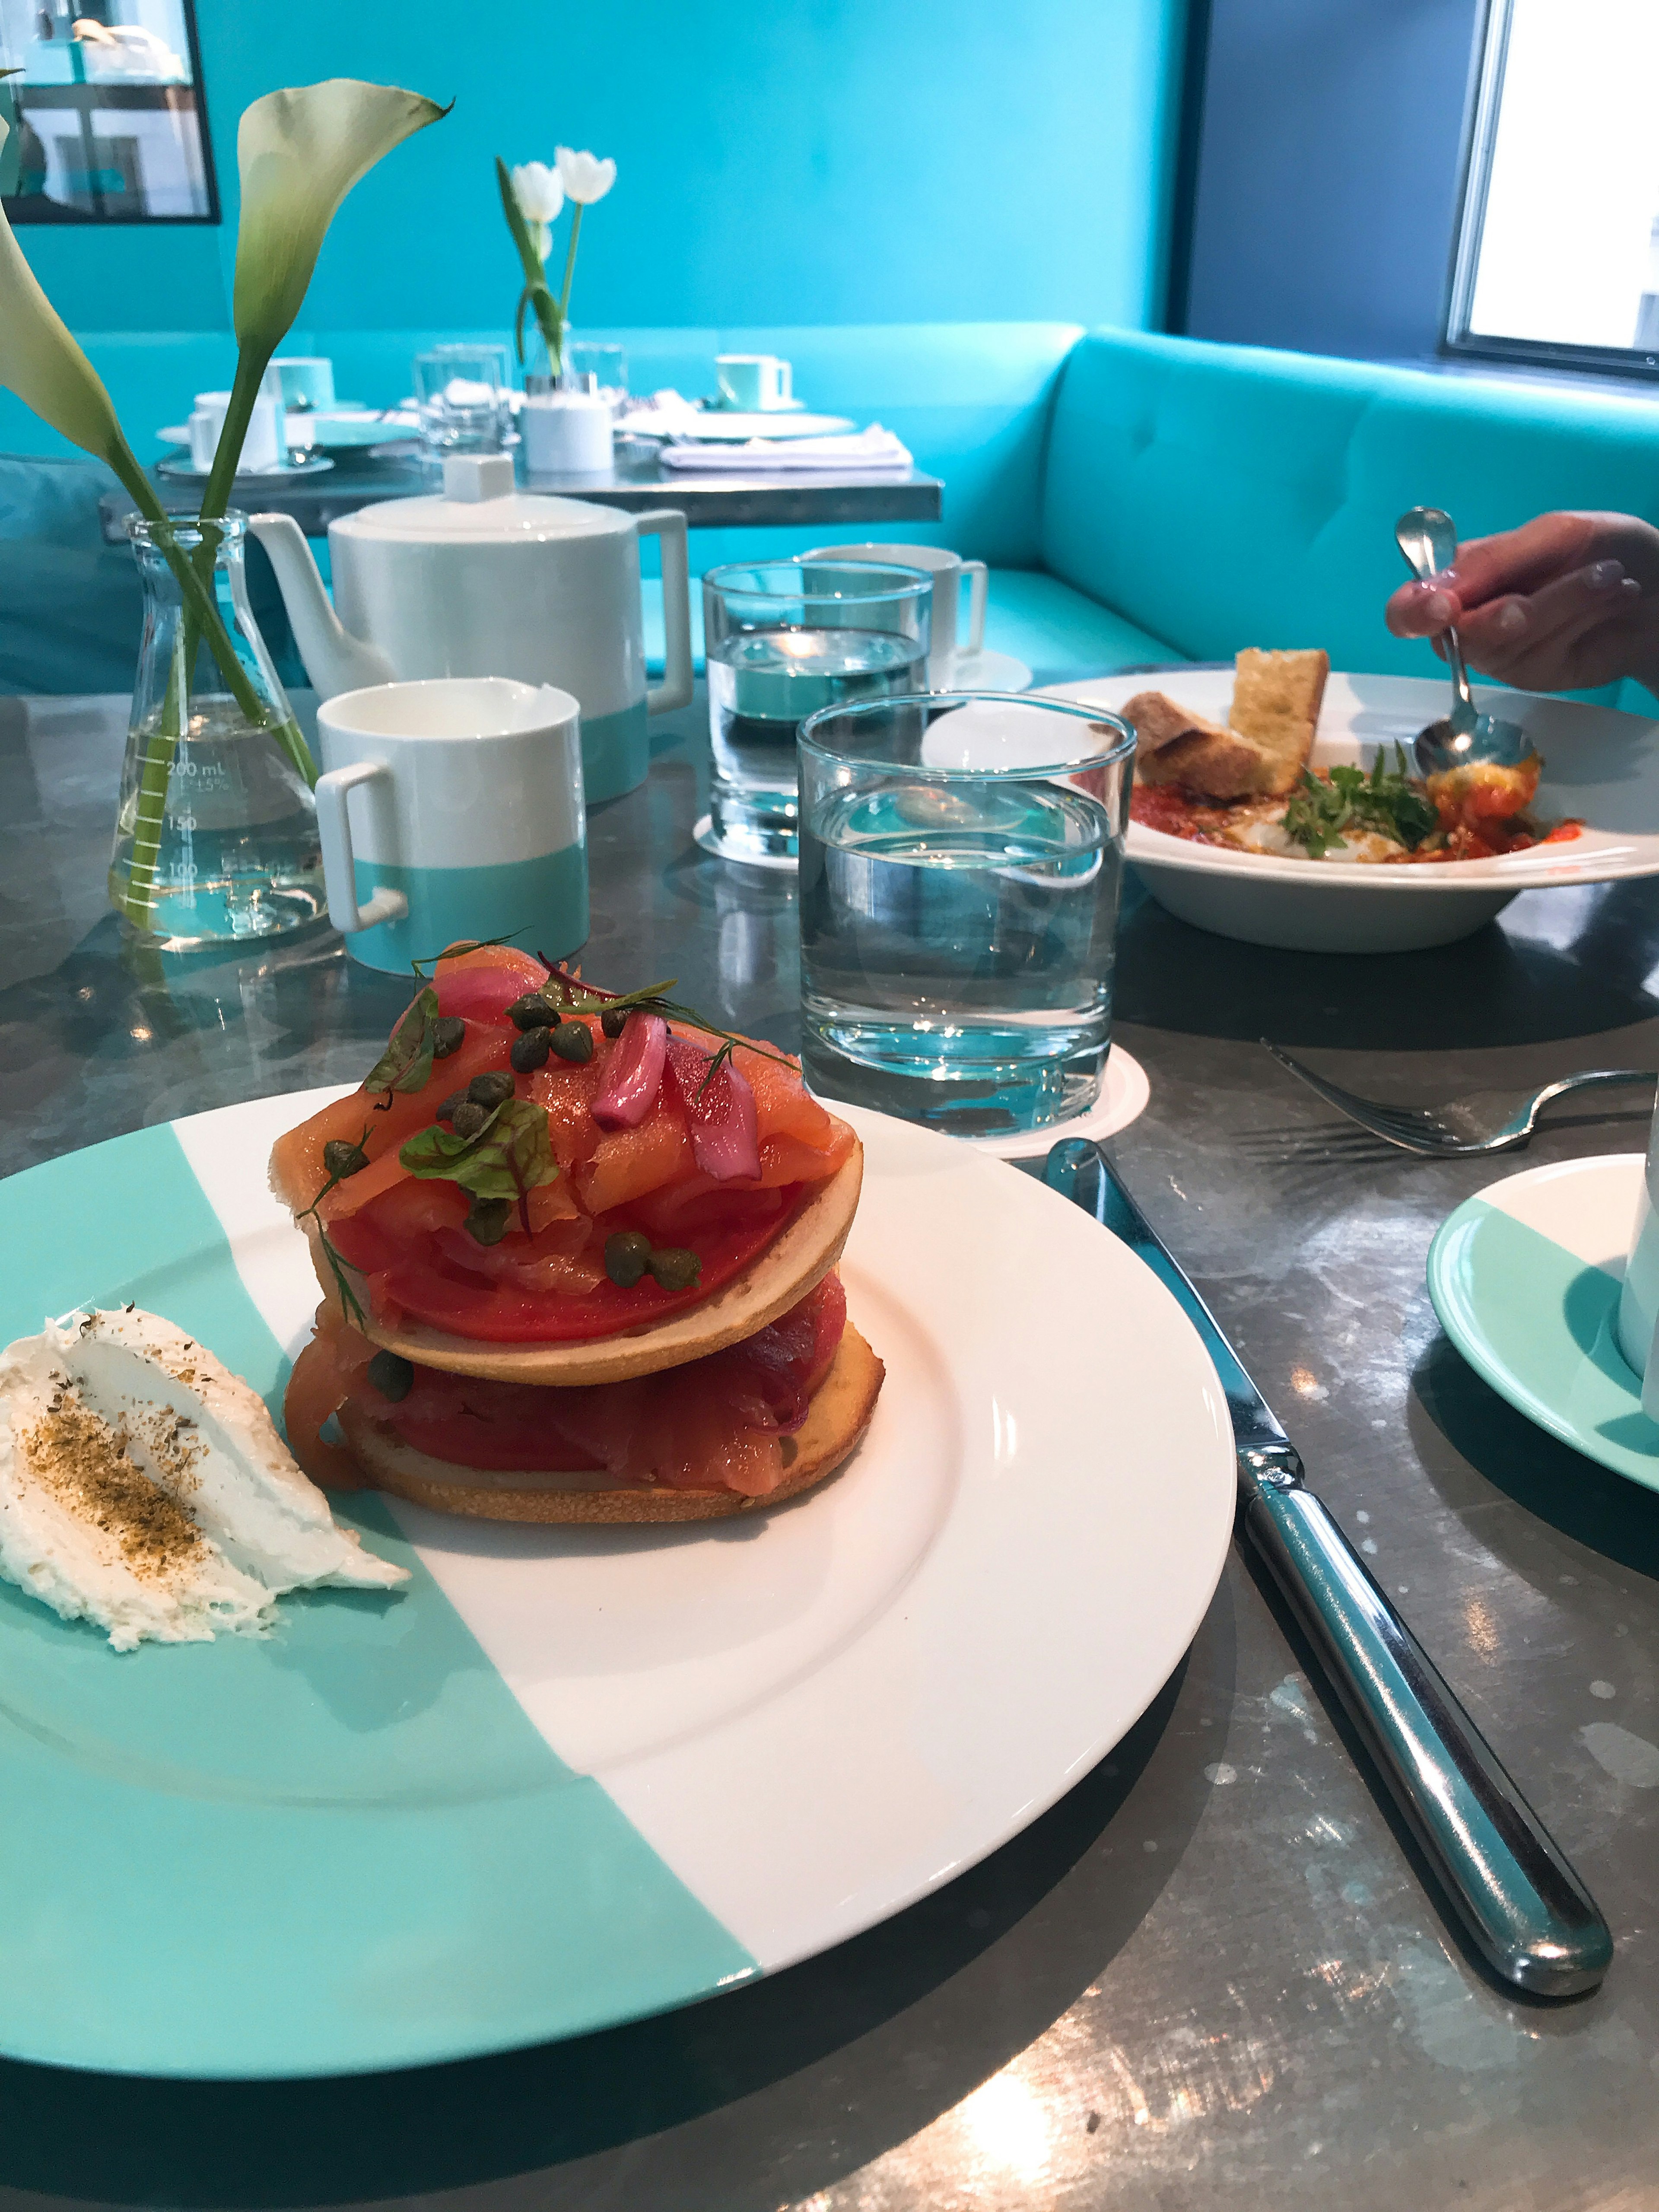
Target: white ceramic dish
<point>1525,1279</point>
<point>573,1776</point>
<point>309,464</point>
<point>1598,763</point>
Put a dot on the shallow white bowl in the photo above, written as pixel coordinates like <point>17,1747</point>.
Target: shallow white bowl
<point>1599,764</point>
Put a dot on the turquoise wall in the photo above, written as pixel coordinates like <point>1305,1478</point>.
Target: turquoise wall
<point>821,162</point>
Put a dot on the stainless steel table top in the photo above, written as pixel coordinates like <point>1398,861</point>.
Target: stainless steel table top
<point>717,499</point>
<point>1209,1978</point>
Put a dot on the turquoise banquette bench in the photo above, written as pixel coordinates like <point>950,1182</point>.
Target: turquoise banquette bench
<point>1139,498</point>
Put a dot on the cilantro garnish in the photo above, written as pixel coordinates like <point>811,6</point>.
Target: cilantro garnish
<point>1322,813</point>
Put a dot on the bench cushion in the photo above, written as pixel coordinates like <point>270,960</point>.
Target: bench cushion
<point>1222,496</point>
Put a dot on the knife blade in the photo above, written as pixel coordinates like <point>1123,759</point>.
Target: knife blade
<point>1523,1906</point>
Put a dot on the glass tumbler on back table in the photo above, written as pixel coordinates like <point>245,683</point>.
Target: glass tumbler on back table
<point>960,857</point>
<point>785,638</point>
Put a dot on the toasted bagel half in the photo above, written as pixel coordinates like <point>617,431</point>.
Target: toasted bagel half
<point>798,1258</point>
<point>836,1418</point>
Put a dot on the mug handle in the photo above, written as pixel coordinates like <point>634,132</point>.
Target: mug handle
<point>976,569</point>
<point>675,689</point>
<point>339,862</point>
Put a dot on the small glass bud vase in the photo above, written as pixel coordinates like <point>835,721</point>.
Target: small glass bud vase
<point>541,373</point>
<point>215,837</point>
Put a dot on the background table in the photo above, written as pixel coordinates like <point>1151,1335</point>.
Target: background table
<point>716,500</point>
<point>1209,1977</point>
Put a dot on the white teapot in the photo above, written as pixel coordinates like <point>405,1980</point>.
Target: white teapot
<point>490,581</point>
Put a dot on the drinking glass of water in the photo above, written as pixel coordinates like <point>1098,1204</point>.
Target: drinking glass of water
<point>783,640</point>
<point>461,394</point>
<point>961,854</point>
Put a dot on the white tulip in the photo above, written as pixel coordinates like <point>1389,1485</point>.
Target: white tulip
<point>538,190</point>
<point>585,179</point>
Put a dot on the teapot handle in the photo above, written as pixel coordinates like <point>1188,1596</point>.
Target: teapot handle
<point>675,689</point>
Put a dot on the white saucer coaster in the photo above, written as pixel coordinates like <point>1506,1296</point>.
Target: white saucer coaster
<point>1122,1099</point>
<point>703,833</point>
<point>989,672</point>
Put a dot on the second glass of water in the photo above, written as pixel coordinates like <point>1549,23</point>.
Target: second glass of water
<point>961,855</point>
<point>785,638</point>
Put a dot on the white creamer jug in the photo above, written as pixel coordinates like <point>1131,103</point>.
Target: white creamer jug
<point>486,581</point>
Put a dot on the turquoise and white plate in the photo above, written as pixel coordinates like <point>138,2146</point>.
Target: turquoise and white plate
<point>570,1777</point>
<point>1525,1279</point>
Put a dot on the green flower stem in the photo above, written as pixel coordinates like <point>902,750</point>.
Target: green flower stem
<point>571,263</point>
<point>138,896</point>
<point>549,319</point>
<point>244,391</point>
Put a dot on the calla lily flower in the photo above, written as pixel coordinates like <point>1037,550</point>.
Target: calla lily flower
<point>584,177</point>
<point>47,370</point>
<point>299,153</point>
<point>540,197</point>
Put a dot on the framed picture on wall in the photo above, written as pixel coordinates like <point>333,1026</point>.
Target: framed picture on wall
<point>106,118</point>
<point>1557,256</point>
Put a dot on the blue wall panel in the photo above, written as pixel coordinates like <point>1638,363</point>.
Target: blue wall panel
<point>826,161</point>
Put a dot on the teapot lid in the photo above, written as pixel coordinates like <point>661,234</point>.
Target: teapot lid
<point>479,504</point>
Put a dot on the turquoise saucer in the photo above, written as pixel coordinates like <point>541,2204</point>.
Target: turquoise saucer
<point>1525,1279</point>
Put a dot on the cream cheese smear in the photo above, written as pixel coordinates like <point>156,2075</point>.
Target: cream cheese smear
<point>143,1487</point>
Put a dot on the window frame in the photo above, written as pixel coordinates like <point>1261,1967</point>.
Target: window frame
<point>1487,63</point>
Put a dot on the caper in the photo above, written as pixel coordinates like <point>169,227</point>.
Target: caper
<point>469,1118</point>
<point>492,1089</point>
<point>627,1255</point>
<point>487,1221</point>
<point>531,1051</point>
<point>447,1111</point>
<point>535,1011</point>
<point>448,1034</point>
<point>391,1376</point>
<point>342,1158</point>
<point>573,1041</point>
<point>675,1269</point>
<point>614,1020</point>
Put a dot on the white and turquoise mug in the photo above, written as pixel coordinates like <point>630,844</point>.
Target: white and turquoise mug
<point>453,808</point>
<point>754,383</point>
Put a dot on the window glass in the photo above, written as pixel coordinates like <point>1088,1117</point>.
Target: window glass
<point>1558,253</point>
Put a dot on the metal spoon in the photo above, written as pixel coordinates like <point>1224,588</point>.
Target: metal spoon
<point>1428,537</point>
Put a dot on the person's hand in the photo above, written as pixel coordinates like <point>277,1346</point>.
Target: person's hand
<point>1564,604</point>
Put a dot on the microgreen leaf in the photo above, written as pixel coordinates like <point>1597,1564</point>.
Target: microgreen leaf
<point>512,1153</point>
<point>1389,801</point>
<point>406,1063</point>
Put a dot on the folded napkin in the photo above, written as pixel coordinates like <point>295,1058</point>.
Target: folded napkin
<point>874,448</point>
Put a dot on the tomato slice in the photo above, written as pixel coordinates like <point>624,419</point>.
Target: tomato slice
<point>393,1240</point>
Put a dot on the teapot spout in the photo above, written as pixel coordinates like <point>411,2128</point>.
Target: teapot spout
<point>334,660</point>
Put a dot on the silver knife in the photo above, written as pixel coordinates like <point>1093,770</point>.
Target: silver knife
<point>1523,1905</point>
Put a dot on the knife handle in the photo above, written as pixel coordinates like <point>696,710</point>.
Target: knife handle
<point>1523,1905</point>
<point>1522,1902</point>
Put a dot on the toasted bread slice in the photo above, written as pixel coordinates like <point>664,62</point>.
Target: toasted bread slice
<point>835,1421</point>
<point>1178,747</point>
<point>798,1256</point>
<point>1276,701</point>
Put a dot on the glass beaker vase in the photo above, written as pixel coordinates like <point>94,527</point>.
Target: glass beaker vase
<point>215,837</point>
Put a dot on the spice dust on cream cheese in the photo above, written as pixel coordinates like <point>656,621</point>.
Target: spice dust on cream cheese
<point>144,1487</point>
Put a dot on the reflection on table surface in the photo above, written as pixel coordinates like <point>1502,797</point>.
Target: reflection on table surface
<point>1210,1975</point>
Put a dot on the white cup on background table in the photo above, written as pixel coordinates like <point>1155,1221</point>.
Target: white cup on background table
<point>754,383</point>
<point>947,570</point>
<point>453,808</point>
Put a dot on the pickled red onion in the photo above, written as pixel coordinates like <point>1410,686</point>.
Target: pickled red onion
<point>719,1111</point>
<point>633,1074</point>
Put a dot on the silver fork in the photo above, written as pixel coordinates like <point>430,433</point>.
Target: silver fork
<point>1460,1127</point>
